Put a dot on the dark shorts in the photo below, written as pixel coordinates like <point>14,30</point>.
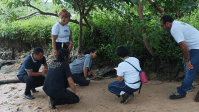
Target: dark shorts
<point>59,45</point>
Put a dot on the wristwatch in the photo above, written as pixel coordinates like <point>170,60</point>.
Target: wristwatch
<point>187,60</point>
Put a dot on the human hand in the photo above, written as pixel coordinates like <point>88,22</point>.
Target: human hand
<point>55,54</point>
<point>78,95</point>
<point>87,78</point>
<point>189,65</point>
<point>45,71</point>
<point>95,76</point>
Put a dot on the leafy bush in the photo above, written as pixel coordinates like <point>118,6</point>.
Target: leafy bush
<point>36,29</point>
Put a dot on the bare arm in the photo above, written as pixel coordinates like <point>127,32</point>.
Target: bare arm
<point>120,79</point>
<point>45,69</point>
<point>70,41</point>
<point>46,66</point>
<point>72,84</point>
<point>70,38</point>
<point>54,37</point>
<point>85,69</point>
<point>185,50</point>
<point>31,73</point>
<point>93,73</point>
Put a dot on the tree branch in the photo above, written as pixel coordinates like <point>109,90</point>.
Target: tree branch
<point>89,9</point>
<point>41,12</point>
<point>87,22</point>
<point>75,21</point>
<point>157,7</point>
<point>4,13</point>
<point>76,2</point>
<point>26,16</point>
<point>46,13</point>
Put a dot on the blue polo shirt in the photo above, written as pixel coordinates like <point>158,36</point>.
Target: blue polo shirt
<point>77,65</point>
<point>30,64</point>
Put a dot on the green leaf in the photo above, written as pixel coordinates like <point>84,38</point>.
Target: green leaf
<point>134,2</point>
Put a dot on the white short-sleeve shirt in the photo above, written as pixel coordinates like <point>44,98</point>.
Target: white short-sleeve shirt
<point>62,32</point>
<point>129,73</point>
<point>185,32</point>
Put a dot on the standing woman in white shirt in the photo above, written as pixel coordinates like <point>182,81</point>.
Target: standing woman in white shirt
<point>61,34</point>
<point>128,77</point>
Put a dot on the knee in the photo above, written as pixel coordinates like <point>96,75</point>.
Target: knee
<point>86,83</point>
<point>76,100</point>
<point>30,79</point>
<point>110,87</point>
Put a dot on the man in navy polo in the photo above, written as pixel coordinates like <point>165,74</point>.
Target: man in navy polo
<point>29,71</point>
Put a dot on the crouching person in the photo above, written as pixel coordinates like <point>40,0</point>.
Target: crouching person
<point>81,67</point>
<point>57,80</point>
<point>29,72</point>
<point>128,77</point>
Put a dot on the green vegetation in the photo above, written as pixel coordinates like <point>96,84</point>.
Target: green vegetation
<point>112,24</point>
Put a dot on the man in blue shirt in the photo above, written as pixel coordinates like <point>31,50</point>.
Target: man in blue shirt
<point>29,71</point>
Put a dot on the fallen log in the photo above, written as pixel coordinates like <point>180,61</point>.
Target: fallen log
<point>10,81</point>
<point>7,62</point>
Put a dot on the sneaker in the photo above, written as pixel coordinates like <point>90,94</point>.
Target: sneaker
<point>124,95</point>
<point>77,84</point>
<point>29,97</point>
<point>126,99</point>
<point>52,105</point>
<point>176,96</point>
<point>191,89</point>
<point>34,90</point>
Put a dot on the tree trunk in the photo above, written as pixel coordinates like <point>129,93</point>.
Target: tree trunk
<point>80,34</point>
<point>146,41</point>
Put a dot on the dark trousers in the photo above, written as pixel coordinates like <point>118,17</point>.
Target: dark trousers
<point>80,79</point>
<point>31,82</point>
<point>59,45</point>
<point>66,97</point>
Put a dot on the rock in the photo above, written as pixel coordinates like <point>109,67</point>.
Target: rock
<point>19,109</point>
<point>6,55</point>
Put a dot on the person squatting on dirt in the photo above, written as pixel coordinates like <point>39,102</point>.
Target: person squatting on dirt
<point>128,77</point>
<point>29,71</point>
<point>81,67</point>
<point>58,79</point>
<point>61,34</point>
<point>188,39</point>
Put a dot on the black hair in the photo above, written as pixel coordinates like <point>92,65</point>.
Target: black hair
<point>166,18</point>
<point>62,53</point>
<point>37,50</point>
<point>122,51</point>
<point>90,50</point>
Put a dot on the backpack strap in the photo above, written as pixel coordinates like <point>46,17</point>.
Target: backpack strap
<point>134,67</point>
<point>140,71</point>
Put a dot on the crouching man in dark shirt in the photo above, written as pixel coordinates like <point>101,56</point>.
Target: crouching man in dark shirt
<point>58,79</point>
<point>29,71</point>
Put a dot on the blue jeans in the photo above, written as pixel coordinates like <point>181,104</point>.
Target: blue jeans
<point>116,87</point>
<point>189,74</point>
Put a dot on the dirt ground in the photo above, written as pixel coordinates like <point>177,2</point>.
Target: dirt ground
<point>154,97</point>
